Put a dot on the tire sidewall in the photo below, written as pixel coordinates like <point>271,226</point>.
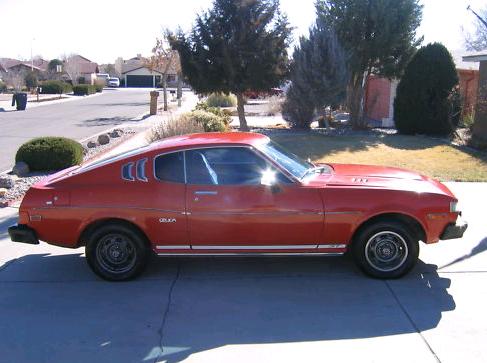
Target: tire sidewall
<point>136,240</point>
<point>363,237</point>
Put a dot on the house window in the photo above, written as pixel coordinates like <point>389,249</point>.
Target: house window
<point>171,78</point>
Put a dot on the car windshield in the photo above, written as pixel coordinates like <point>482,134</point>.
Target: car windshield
<point>292,163</point>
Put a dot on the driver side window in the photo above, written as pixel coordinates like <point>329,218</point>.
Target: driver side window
<point>225,166</point>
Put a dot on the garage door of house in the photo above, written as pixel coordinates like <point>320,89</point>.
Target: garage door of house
<point>140,81</point>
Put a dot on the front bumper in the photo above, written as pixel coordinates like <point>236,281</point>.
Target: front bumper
<point>454,230</point>
<point>24,234</point>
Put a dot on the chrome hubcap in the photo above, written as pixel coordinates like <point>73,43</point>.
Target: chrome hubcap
<point>386,251</point>
<point>116,253</point>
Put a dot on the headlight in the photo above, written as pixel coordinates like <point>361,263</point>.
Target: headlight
<point>454,206</point>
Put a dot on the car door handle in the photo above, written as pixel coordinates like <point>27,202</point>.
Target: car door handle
<point>205,192</point>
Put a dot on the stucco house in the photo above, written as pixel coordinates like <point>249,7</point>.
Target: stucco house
<point>87,68</point>
<point>136,73</point>
<point>10,65</point>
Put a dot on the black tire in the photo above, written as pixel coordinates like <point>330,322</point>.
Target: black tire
<point>116,252</point>
<point>385,250</point>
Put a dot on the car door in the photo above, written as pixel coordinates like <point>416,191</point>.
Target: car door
<point>229,209</point>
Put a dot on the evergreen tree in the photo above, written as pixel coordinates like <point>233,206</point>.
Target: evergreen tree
<point>378,35</point>
<point>425,101</point>
<point>236,46</point>
<point>318,76</point>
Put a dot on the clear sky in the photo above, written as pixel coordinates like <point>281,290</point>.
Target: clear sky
<point>103,30</point>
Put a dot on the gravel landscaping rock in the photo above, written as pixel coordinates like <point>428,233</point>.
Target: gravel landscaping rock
<point>103,139</point>
<point>20,169</point>
<point>22,184</point>
<point>116,133</point>
<point>7,182</point>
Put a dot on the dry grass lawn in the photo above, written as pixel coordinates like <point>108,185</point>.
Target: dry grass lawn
<point>425,155</point>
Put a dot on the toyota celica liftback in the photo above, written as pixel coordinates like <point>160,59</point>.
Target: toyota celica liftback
<point>236,194</point>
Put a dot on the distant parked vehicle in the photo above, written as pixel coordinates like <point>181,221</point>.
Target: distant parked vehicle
<point>113,82</point>
<point>103,77</point>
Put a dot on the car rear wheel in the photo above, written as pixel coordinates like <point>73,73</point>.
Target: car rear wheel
<point>116,252</point>
<point>386,250</point>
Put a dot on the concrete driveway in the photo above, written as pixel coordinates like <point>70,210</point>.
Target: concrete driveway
<point>76,119</point>
<point>248,310</point>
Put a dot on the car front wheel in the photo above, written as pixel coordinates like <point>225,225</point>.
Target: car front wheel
<point>116,252</point>
<point>386,250</point>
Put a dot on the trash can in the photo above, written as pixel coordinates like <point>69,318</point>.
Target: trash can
<point>20,99</point>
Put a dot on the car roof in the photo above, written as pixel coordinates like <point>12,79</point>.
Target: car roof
<point>210,138</point>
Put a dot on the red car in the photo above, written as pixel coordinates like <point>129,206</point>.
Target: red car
<point>236,194</point>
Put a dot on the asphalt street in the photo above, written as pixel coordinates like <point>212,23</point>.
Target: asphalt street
<point>76,119</point>
<point>53,309</point>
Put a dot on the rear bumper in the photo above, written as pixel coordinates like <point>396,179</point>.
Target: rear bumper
<point>454,230</point>
<point>24,234</point>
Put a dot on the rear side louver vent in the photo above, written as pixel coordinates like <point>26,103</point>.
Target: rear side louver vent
<point>141,170</point>
<point>140,174</point>
<point>127,172</point>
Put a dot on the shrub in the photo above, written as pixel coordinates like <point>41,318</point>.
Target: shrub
<point>83,89</point>
<point>274,106</point>
<point>426,102</point>
<point>3,86</point>
<point>55,87</point>
<point>225,115</point>
<point>221,100</point>
<point>468,120</point>
<point>297,110</point>
<point>50,153</point>
<point>31,80</point>
<point>99,86</point>
<point>209,121</point>
<point>180,126</point>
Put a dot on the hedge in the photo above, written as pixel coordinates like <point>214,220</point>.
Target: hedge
<point>55,87</point>
<point>50,153</point>
<point>83,89</point>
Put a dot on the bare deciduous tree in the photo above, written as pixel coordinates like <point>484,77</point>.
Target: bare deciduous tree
<point>16,79</point>
<point>164,59</point>
<point>72,67</point>
<point>478,40</point>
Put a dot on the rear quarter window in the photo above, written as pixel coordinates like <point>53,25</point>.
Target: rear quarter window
<point>169,167</point>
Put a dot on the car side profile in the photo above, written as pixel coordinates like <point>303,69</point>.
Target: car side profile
<point>235,193</point>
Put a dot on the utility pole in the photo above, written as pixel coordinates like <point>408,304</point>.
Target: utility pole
<point>478,16</point>
<point>31,57</point>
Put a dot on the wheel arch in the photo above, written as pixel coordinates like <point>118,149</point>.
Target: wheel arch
<point>94,225</point>
<point>411,222</point>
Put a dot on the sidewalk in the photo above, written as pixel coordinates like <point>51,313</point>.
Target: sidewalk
<point>6,100</point>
